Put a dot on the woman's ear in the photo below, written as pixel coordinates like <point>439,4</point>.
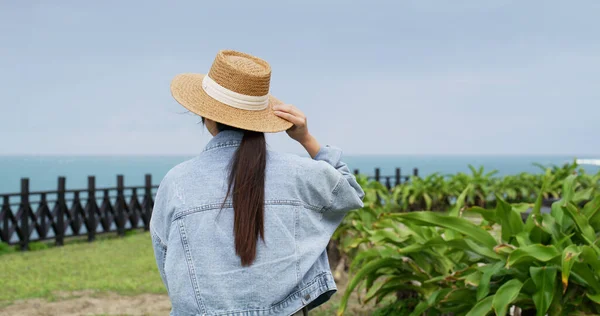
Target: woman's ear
<point>211,126</point>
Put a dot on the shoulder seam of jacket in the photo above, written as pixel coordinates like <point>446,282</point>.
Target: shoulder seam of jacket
<point>212,206</point>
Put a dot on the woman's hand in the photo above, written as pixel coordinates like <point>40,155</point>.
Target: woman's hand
<point>299,131</point>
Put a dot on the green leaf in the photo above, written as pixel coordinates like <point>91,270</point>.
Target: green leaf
<point>463,244</point>
<point>504,249</point>
<point>535,213</point>
<point>594,297</point>
<point>537,207</point>
<point>361,274</point>
<point>473,170</point>
<point>473,279</point>
<point>431,300</point>
<point>583,195</point>
<point>419,309</point>
<point>488,215</point>
<point>393,284</point>
<point>482,308</point>
<point>592,207</point>
<point>523,239</point>
<point>594,213</point>
<point>484,283</point>
<point>568,189</point>
<point>569,256</point>
<point>460,225</point>
<point>581,222</point>
<point>460,295</point>
<point>557,213</point>
<point>528,287</point>
<point>521,207</point>
<point>410,249</point>
<point>583,271</point>
<point>428,201</point>
<point>591,257</point>
<point>387,236</point>
<point>550,226</point>
<point>536,233</point>
<point>538,252</point>
<point>505,295</point>
<point>556,306</point>
<point>544,279</point>
<point>460,201</point>
<point>510,220</point>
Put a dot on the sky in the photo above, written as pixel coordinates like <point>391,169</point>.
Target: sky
<point>373,77</point>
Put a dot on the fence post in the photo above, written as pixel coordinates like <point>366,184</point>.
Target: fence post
<point>356,172</point>
<point>91,215</point>
<point>25,215</point>
<point>416,172</point>
<point>5,207</point>
<point>148,199</point>
<point>60,212</point>
<point>388,184</point>
<point>398,176</point>
<point>120,206</point>
<point>377,174</point>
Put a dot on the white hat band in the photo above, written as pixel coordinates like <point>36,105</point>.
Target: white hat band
<point>232,98</point>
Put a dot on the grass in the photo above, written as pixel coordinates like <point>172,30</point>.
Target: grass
<point>122,265</point>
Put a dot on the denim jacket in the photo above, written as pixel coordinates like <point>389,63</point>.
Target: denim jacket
<point>192,235</point>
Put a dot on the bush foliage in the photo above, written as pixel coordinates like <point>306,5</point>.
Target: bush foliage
<point>476,255</point>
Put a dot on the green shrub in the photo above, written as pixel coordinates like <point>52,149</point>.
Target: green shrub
<point>6,248</point>
<point>131,232</point>
<point>34,246</point>
<point>344,240</point>
<point>436,192</point>
<point>444,263</point>
<point>430,193</point>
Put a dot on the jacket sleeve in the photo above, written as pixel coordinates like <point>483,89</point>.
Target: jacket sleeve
<point>332,187</point>
<point>158,229</point>
<point>160,254</point>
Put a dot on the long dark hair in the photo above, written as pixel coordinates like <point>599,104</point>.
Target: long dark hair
<point>247,189</point>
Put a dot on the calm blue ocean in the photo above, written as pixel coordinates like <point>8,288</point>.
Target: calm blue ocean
<point>44,170</point>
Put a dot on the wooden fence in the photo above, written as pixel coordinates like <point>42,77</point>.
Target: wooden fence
<point>47,215</point>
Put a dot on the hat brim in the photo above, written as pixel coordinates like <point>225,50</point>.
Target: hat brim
<point>187,91</point>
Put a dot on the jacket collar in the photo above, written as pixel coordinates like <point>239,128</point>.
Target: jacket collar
<point>225,138</point>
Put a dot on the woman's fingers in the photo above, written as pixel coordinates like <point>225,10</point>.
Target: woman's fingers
<point>298,121</point>
<point>294,110</point>
<point>290,113</point>
<point>289,109</point>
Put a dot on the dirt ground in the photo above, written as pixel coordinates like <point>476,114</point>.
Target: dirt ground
<point>91,303</point>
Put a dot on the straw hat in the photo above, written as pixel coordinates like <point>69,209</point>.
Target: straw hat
<point>235,92</point>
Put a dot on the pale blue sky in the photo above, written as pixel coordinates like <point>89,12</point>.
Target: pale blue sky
<point>374,77</point>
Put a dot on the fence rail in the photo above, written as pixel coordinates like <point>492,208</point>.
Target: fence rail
<point>88,211</point>
<point>396,179</point>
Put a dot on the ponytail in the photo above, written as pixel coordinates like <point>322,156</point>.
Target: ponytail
<point>247,189</point>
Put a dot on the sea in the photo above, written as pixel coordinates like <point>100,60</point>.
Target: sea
<point>43,171</point>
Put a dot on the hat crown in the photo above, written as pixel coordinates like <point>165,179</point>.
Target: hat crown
<point>241,73</point>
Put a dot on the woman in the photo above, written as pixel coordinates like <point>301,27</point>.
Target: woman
<point>240,230</point>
